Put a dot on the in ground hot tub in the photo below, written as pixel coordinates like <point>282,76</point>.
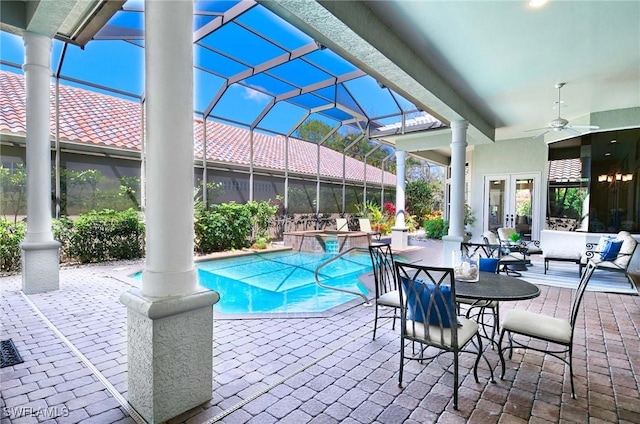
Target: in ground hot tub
<point>325,241</point>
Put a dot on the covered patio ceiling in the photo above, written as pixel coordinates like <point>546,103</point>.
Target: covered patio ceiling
<point>493,63</point>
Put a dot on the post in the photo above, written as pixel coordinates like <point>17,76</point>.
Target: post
<point>40,252</point>
<point>170,320</point>
<point>456,214</point>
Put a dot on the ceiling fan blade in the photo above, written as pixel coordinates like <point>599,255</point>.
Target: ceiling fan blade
<point>538,129</point>
<point>542,133</point>
<point>586,127</point>
<point>570,130</point>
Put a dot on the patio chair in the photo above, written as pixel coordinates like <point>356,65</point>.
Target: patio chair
<point>532,246</point>
<point>365,227</point>
<point>342,224</point>
<point>611,254</point>
<point>511,257</point>
<point>384,273</point>
<point>558,331</point>
<point>428,317</point>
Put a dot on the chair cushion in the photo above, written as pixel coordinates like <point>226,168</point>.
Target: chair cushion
<point>537,325</point>
<point>491,237</point>
<point>611,250</point>
<point>467,328</point>
<point>504,234</point>
<point>391,298</point>
<point>489,264</point>
<point>534,250</point>
<point>438,312</point>
<point>556,254</point>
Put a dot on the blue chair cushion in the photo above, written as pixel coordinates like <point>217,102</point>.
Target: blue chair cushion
<point>438,311</point>
<point>611,250</point>
<point>489,264</point>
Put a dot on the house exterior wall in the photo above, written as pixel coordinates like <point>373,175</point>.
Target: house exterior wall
<point>515,156</point>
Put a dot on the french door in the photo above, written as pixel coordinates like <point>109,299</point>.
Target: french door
<point>513,200</point>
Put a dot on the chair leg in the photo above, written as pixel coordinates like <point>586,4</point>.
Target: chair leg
<point>501,354</point>
<point>375,322</point>
<point>395,315</point>
<point>480,353</point>
<point>401,362</point>
<point>573,390</point>
<point>455,380</point>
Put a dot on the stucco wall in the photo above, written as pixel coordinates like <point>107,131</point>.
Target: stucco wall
<point>514,156</point>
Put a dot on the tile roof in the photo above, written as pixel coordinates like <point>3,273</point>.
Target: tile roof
<point>565,170</point>
<point>97,119</point>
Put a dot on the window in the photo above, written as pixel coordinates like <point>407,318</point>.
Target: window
<point>593,183</point>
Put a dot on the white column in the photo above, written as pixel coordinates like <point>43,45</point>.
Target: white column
<point>399,235</point>
<point>169,268</point>
<point>456,213</point>
<point>40,252</point>
<point>169,321</point>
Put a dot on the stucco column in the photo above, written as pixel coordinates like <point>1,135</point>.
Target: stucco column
<point>399,233</point>
<point>170,320</point>
<point>456,210</point>
<point>40,252</point>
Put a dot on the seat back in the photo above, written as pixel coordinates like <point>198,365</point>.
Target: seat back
<point>627,249</point>
<point>489,237</point>
<point>341,224</point>
<point>365,225</point>
<point>504,234</point>
<point>482,250</point>
<point>428,312</point>
<point>577,298</point>
<point>384,270</point>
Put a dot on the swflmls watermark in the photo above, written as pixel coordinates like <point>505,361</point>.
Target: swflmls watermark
<point>27,411</point>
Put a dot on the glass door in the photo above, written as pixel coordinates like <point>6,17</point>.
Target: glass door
<point>512,201</point>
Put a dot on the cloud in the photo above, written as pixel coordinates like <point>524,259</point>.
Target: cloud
<point>258,96</point>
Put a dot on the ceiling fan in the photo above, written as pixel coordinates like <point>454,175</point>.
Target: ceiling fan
<point>561,124</point>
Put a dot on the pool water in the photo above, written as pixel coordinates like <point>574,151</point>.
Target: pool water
<point>282,282</point>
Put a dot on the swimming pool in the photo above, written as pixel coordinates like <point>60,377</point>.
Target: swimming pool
<point>282,282</point>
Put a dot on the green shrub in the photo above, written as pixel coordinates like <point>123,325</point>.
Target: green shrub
<point>262,214</point>
<point>63,232</point>
<point>224,226</point>
<point>105,235</point>
<point>436,228</point>
<point>10,237</point>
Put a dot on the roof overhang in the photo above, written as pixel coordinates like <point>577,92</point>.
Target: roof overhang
<point>72,21</point>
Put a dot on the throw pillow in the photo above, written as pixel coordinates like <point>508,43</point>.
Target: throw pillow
<point>611,250</point>
<point>438,311</point>
<point>489,264</point>
<point>603,242</point>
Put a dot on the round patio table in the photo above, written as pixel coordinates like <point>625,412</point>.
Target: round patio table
<point>491,286</point>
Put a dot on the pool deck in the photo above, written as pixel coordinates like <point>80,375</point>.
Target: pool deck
<point>311,370</point>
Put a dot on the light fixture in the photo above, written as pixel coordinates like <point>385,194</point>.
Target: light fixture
<point>617,177</point>
<point>537,3</point>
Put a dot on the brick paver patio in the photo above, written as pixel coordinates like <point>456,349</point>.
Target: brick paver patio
<point>314,370</point>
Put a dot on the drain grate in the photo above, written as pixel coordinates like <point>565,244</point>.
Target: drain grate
<point>9,354</point>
